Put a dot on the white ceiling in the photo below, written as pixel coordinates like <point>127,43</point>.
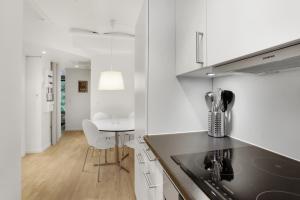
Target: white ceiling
<point>47,24</point>
<point>92,14</point>
<point>65,59</point>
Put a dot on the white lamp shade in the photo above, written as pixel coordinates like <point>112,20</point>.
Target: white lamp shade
<point>111,80</point>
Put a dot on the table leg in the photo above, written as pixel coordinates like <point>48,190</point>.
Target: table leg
<point>117,154</point>
<point>118,162</point>
<point>117,148</point>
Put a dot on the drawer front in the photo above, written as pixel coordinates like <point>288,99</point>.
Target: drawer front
<point>141,188</point>
<point>146,187</point>
<point>140,139</point>
<point>169,190</point>
<point>149,172</point>
<point>149,154</point>
<point>141,161</point>
<point>149,185</point>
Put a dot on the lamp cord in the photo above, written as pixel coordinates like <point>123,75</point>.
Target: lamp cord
<point>111,49</point>
<point>111,53</point>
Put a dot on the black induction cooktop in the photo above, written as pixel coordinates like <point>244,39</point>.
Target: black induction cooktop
<point>244,173</point>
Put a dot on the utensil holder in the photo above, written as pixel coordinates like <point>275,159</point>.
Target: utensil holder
<point>216,124</point>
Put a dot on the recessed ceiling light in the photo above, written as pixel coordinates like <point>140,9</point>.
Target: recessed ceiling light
<point>210,74</point>
<point>76,66</point>
<point>44,52</point>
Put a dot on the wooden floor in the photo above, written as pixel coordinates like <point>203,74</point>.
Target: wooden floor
<point>56,174</point>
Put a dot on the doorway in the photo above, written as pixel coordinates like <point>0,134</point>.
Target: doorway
<point>63,103</point>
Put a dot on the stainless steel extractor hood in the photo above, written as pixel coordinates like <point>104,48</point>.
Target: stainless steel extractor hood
<point>278,58</point>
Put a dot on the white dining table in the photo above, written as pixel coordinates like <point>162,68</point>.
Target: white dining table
<point>117,126</point>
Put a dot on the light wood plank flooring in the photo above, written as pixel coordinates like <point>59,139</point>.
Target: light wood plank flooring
<point>56,174</point>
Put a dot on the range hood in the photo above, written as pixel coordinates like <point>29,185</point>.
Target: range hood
<point>274,59</point>
<point>278,58</point>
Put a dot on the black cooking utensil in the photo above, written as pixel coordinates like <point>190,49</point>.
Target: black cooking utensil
<point>227,100</point>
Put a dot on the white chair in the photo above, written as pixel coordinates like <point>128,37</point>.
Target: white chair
<point>96,141</point>
<point>100,116</point>
<point>128,138</point>
<point>129,142</point>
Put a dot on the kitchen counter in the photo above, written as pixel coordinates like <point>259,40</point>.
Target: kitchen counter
<point>164,146</point>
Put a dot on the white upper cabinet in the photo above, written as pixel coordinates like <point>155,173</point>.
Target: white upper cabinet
<point>190,35</point>
<point>239,27</point>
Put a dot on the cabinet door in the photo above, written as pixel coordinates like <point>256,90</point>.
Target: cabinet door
<point>148,176</point>
<point>158,179</point>
<point>141,70</point>
<point>169,190</point>
<point>190,19</point>
<point>239,27</point>
<point>141,189</point>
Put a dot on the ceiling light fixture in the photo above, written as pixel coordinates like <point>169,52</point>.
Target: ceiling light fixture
<point>76,66</point>
<point>111,80</point>
<point>210,74</point>
<point>44,52</point>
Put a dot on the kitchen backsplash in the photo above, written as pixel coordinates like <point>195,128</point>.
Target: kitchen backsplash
<point>267,110</point>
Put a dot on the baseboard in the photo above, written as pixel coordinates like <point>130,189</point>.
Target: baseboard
<point>30,151</point>
<point>45,147</point>
<point>38,150</point>
<point>23,154</point>
<point>73,130</point>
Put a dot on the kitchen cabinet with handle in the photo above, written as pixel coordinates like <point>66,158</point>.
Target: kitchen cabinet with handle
<point>155,87</point>
<point>190,35</point>
<point>148,174</point>
<point>170,192</point>
<point>236,28</point>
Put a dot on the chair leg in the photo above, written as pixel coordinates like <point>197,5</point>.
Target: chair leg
<point>93,152</point>
<point>124,146</point>
<point>105,155</point>
<point>122,143</point>
<point>99,166</point>
<point>87,153</point>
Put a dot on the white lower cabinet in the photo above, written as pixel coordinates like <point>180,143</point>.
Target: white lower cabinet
<point>148,174</point>
<point>170,191</point>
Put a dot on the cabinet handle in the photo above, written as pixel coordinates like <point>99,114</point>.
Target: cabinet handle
<point>268,57</point>
<point>148,180</point>
<point>199,47</point>
<point>141,140</point>
<point>140,158</point>
<point>150,158</point>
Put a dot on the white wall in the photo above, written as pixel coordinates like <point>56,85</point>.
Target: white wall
<point>267,110</point>
<point>34,81</point>
<point>23,112</point>
<point>174,105</point>
<point>77,104</point>
<point>11,117</point>
<point>58,108</point>
<point>140,72</point>
<point>38,131</point>
<point>46,116</point>
<point>115,103</point>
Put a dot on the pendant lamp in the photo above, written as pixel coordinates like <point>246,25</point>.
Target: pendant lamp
<point>111,80</point>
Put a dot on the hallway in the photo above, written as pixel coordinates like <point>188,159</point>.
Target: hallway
<point>56,174</point>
